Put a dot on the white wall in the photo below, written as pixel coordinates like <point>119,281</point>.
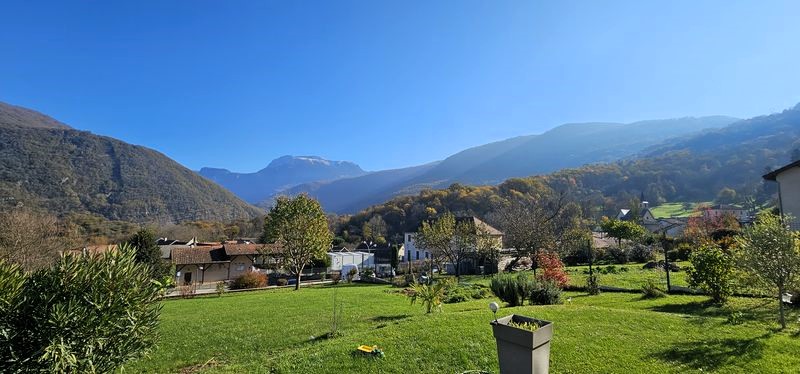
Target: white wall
<point>412,253</point>
<point>789,182</point>
<point>361,259</point>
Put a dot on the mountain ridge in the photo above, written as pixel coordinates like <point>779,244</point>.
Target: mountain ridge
<point>280,174</point>
<point>56,168</point>
<point>519,156</point>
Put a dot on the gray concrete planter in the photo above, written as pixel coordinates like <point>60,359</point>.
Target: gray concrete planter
<point>522,351</point>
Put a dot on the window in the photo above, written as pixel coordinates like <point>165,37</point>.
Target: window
<point>417,255</point>
<point>239,267</point>
<point>426,254</point>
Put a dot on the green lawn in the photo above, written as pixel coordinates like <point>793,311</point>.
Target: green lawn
<point>633,277</point>
<point>272,331</point>
<point>667,210</point>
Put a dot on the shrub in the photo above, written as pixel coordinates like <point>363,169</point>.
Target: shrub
<point>618,255</point>
<point>512,288</point>
<point>400,282</point>
<point>552,269</point>
<point>545,293</point>
<point>187,291</point>
<point>464,291</point>
<point>282,281</point>
<point>641,253</point>
<point>736,318</point>
<point>650,290</point>
<point>368,272</point>
<point>592,285</point>
<point>351,274</point>
<point>220,288</point>
<point>680,253</point>
<point>64,319</point>
<point>250,279</point>
<point>336,278</point>
<point>712,271</point>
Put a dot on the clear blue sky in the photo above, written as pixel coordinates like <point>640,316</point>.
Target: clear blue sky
<point>386,84</point>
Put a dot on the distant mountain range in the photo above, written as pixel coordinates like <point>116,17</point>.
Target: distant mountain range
<point>565,146</point>
<point>48,165</point>
<point>281,174</point>
<point>693,167</point>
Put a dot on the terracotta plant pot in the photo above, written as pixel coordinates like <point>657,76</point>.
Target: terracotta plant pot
<point>522,351</point>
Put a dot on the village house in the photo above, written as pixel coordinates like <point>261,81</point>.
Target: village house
<point>716,211</point>
<point>414,253</point>
<point>644,214</point>
<point>214,262</point>
<point>788,179</point>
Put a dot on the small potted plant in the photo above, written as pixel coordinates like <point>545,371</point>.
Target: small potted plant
<point>523,343</point>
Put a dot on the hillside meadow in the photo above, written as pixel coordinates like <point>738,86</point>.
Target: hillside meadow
<point>283,331</point>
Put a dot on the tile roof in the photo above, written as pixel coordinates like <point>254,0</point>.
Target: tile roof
<point>198,255</point>
<point>243,249</point>
<point>477,222</point>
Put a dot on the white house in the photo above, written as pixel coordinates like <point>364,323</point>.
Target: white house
<point>414,253</point>
<point>719,210</point>
<point>788,178</point>
<point>645,215</point>
<point>411,252</point>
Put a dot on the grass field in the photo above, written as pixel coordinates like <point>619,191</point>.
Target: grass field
<point>668,210</point>
<point>275,332</point>
<point>632,277</point>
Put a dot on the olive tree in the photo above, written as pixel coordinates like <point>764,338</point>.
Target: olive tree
<point>300,227</point>
<point>769,250</point>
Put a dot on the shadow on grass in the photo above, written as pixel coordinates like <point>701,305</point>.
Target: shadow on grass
<point>396,317</point>
<point>325,336</point>
<point>714,354</point>
<point>764,311</point>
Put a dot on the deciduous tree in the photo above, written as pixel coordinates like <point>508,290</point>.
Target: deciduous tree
<point>300,227</point>
<point>622,230</point>
<point>30,239</point>
<point>537,223</point>
<point>769,250</point>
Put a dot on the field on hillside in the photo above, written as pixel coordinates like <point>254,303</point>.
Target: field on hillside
<point>668,210</point>
<point>279,332</point>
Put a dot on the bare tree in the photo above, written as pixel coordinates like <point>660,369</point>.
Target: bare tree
<point>454,240</point>
<point>30,239</point>
<point>531,225</point>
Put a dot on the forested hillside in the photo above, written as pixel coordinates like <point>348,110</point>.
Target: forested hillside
<point>62,171</point>
<point>569,145</point>
<point>694,168</point>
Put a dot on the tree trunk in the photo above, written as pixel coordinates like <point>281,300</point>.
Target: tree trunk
<point>780,302</point>
<point>458,271</point>
<point>299,274</point>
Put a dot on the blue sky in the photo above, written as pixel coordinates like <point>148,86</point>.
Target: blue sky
<point>386,83</point>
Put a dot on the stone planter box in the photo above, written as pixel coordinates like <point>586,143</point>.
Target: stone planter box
<point>522,351</point>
